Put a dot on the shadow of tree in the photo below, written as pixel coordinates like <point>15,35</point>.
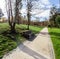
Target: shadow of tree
<point>53,34</point>
<point>31,38</point>
<point>31,52</point>
<point>44,33</point>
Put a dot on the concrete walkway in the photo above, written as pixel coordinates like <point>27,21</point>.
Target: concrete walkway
<point>39,48</point>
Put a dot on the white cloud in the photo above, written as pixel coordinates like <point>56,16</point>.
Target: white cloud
<point>23,11</point>
<point>2,4</point>
<point>42,4</point>
<point>3,7</point>
<point>44,14</point>
<point>45,1</point>
<point>36,11</point>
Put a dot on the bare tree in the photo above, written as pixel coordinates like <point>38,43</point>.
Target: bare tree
<point>12,17</point>
<point>18,10</point>
<point>29,8</point>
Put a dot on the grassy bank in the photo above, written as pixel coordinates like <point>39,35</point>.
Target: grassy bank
<point>55,36</point>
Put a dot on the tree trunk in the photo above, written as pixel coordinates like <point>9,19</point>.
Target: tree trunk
<point>28,20</point>
<point>13,29</point>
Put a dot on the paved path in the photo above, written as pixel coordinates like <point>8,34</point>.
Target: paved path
<point>39,48</point>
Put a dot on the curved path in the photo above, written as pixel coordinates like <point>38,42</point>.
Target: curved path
<point>40,48</point>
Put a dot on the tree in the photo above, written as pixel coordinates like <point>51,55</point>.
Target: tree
<point>53,14</point>
<point>58,20</point>
<point>1,13</point>
<point>29,8</point>
<point>12,17</point>
<point>18,10</point>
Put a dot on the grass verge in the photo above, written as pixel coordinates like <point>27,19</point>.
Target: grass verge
<point>55,36</point>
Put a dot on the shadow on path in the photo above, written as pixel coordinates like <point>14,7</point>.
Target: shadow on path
<point>44,33</point>
<point>30,52</point>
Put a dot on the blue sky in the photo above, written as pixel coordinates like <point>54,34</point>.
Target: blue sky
<point>55,2</point>
<point>40,13</point>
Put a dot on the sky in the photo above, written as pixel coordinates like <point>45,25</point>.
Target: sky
<point>2,6</point>
<point>41,8</point>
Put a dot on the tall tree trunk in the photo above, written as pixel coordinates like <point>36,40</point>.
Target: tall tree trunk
<point>13,29</point>
<point>10,17</point>
<point>29,7</point>
<point>28,20</point>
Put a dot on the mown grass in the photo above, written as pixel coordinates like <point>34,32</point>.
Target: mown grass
<point>34,29</point>
<point>55,36</point>
<point>6,43</point>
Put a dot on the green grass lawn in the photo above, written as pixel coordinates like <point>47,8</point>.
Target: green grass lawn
<point>7,44</point>
<point>55,36</point>
<point>34,29</point>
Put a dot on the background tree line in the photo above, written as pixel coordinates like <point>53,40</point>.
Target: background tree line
<point>54,17</point>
